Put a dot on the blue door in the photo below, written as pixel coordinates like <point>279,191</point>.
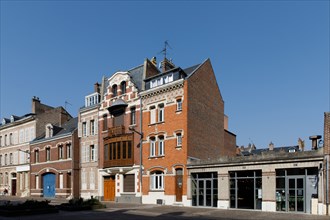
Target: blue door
<point>49,185</point>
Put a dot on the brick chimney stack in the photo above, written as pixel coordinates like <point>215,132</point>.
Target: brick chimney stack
<point>167,65</point>
<point>35,104</point>
<point>97,87</point>
<point>301,144</point>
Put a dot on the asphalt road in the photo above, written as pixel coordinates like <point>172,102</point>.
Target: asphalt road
<point>146,212</point>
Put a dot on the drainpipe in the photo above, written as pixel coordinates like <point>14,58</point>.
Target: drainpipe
<point>327,184</point>
<point>141,137</point>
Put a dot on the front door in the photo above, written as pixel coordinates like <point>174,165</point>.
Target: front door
<point>296,194</point>
<point>13,187</point>
<point>109,188</point>
<point>204,192</point>
<point>49,185</point>
<point>178,185</point>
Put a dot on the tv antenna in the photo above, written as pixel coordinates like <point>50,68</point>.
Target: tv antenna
<point>164,51</point>
<point>66,103</point>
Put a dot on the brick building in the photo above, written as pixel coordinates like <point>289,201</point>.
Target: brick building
<point>183,120</point>
<point>15,135</point>
<point>55,161</point>
<point>119,117</point>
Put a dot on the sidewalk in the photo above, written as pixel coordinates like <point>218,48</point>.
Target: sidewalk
<point>140,211</point>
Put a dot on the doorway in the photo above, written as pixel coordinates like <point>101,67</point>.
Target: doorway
<point>296,192</point>
<point>178,185</point>
<point>109,188</point>
<point>205,189</point>
<point>49,185</point>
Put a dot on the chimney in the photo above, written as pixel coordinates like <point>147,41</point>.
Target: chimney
<point>271,146</point>
<point>167,65</point>
<point>154,61</point>
<point>314,139</point>
<point>301,144</point>
<point>35,104</point>
<point>97,87</point>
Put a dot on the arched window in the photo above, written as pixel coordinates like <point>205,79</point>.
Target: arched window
<point>114,90</point>
<point>152,147</point>
<point>123,87</point>
<point>157,180</point>
<point>161,147</point>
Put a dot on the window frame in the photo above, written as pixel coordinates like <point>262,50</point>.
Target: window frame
<point>152,147</point>
<point>161,113</point>
<point>114,90</point>
<point>157,180</point>
<point>36,156</point>
<point>179,104</point>
<point>133,116</point>
<point>179,139</point>
<point>48,156</point>
<point>123,87</point>
<point>161,146</point>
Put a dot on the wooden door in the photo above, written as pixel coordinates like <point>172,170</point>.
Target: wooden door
<point>109,188</point>
<point>178,185</point>
<point>13,187</point>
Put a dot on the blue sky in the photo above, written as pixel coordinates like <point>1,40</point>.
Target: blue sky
<point>271,58</point>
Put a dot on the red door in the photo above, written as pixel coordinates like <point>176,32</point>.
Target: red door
<point>109,188</point>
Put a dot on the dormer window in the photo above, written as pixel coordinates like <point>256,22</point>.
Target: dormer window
<point>114,90</point>
<point>49,130</point>
<point>123,87</point>
<point>12,119</point>
<point>92,99</point>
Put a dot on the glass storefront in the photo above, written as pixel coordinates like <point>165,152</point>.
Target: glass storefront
<point>245,189</point>
<point>204,189</point>
<point>295,188</point>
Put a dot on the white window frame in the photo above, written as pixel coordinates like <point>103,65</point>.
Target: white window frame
<point>92,152</point>
<point>179,139</point>
<point>84,129</point>
<point>152,115</point>
<point>92,125</point>
<point>157,181</point>
<point>48,154</point>
<point>161,113</point>
<point>68,151</point>
<point>60,152</point>
<point>152,147</point>
<point>161,146</point>
<point>179,104</point>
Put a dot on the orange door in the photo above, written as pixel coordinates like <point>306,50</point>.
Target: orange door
<point>109,188</point>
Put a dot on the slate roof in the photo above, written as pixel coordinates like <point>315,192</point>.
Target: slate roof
<point>67,128</point>
<point>137,76</point>
<point>285,149</point>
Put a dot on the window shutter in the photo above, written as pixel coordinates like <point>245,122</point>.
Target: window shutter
<point>96,152</point>
<point>82,156</point>
<point>96,126</point>
<point>79,129</point>
<point>88,128</point>
<point>87,154</point>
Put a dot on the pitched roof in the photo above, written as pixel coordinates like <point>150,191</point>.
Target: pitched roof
<point>137,76</point>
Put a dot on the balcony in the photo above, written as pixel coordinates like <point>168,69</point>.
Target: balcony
<point>115,131</point>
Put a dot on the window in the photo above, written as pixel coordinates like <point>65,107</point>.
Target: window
<point>0,161</point>
<point>11,158</point>
<point>6,159</point>
<point>10,138</point>
<point>161,146</point>
<point>178,139</point>
<point>61,180</point>
<point>105,122</point>
<point>92,153</point>
<point>60,152</point>
<point>5,140</point>
<point>0,141</point>
<point>123,87</point>
<point>133,122</point>
<point>48,154</point>
<point>92,125</point>
<point>157,180</point>
<point>114,90</point>
<point>152,147</point>
<point>68,151</point>
<point>36,155</point>
<point>84,129</point>
<point>152,115</point>
<point>161,113</point>
<point>179,105</point>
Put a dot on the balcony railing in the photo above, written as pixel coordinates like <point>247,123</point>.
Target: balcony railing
<point>116,131</point>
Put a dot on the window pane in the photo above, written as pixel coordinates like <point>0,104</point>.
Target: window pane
<point>129,150</point>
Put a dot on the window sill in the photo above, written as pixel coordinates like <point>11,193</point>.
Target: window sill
<point>178,111</point>
<point>156,157</point>
<point>160,122</point>
<point>156,190</point>
<point>178,147</point>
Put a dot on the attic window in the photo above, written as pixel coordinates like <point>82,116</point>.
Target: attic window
<point>49,131</point>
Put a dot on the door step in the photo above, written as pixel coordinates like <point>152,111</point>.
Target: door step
<point>178,204</point>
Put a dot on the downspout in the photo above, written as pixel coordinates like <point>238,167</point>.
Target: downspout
<point>141,137</point>
<point>327,184</point>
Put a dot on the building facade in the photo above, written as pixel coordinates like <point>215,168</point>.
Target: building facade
<point>183,120</point>
<point>55,162</point>
<point>15,135</point>
<point>119,129</point>
<point>287,179</point>
<point>88,128</point>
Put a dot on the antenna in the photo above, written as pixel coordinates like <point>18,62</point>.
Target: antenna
<point>164,51</point>
<point>65,103</point>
